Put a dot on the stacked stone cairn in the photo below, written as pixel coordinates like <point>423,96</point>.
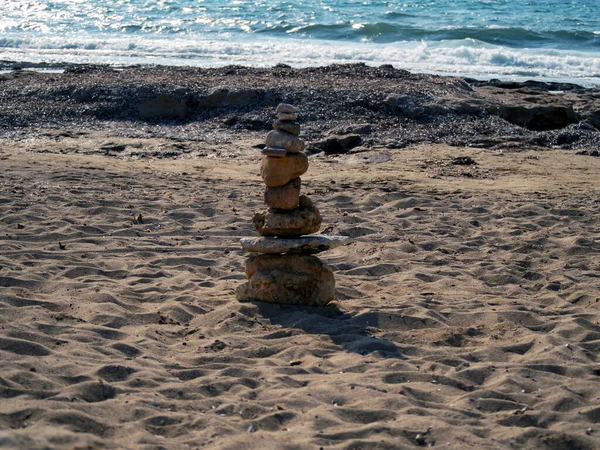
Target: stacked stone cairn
<point>282,267</point>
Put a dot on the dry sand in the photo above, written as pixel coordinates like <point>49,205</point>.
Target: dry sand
<point>467,311</point>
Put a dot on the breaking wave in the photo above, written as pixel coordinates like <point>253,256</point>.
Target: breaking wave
<point>467,57</point>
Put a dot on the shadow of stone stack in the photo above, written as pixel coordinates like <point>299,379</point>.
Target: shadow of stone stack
<point>282,268</point>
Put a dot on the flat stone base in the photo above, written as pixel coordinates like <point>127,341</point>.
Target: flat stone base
<point>303,245</point>
<point>287,280</point>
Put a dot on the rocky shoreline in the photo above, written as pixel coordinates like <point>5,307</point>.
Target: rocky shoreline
<point>466,311</point>
<point>348,108</point>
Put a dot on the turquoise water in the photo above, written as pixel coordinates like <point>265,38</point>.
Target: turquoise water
<point>540,39</point>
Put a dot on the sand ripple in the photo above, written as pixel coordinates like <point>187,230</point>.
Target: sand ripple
<point>468,314</point>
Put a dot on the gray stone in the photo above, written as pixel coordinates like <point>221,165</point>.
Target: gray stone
<point>287,127</point>
<point>286,197</point>
<point>244,97</point>
<point>303,220</point>
<point>286,108</point>
<point>593,119</point>
<point>275,152</point>
<point>413,108</point>
<point>287,279</point>
<point>304,245</point>
<point>216,97</point>
<point>539,117</point>
<point>287,116</point>
<point>279,139</point>
<point>279,171</point>
<point>356,128</point>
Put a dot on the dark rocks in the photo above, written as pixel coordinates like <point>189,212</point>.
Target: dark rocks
<point>566,138</point>
<point>537,110</point>
<point>244,97</point>
<point>281,139</point>
<point>539,106</point>
<point>416,108</point>
<point>404,104</point>
<point>595,153</point>
<point>539,117</point>
<point>329,146</point>
<point>230,121</point>
<point>356,128</point>
<point>235,99</point>
<point>162,107</point>
<point>463,105</point>
<point>529,85</point>
<point>215,98</point>
<point>80,69</point>
<point>593,118</point>
<point>349,141</point>
<point>223,96</point>
<point>84,95</point>
<point>395,144</point>
<point>252,122</point>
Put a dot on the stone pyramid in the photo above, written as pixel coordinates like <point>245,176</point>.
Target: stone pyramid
<point>282,267</point>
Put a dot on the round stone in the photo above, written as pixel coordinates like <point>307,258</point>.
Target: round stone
<point>303,220</point>
<point>303,245</point>
<point>284,197</point>
<point>280,139</point>
<point>279,171</point>
<point>287,127</point>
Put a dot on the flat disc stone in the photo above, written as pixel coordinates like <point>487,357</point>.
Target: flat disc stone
<point>304,245</point>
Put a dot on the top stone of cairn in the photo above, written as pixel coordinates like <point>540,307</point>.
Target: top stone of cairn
<point>286,108</point>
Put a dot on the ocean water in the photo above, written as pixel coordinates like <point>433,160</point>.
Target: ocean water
<point>509,39</point>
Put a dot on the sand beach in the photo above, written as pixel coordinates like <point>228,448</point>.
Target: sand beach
<point>467,311</point>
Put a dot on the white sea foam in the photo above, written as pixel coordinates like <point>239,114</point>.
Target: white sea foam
<point>467,57</point>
